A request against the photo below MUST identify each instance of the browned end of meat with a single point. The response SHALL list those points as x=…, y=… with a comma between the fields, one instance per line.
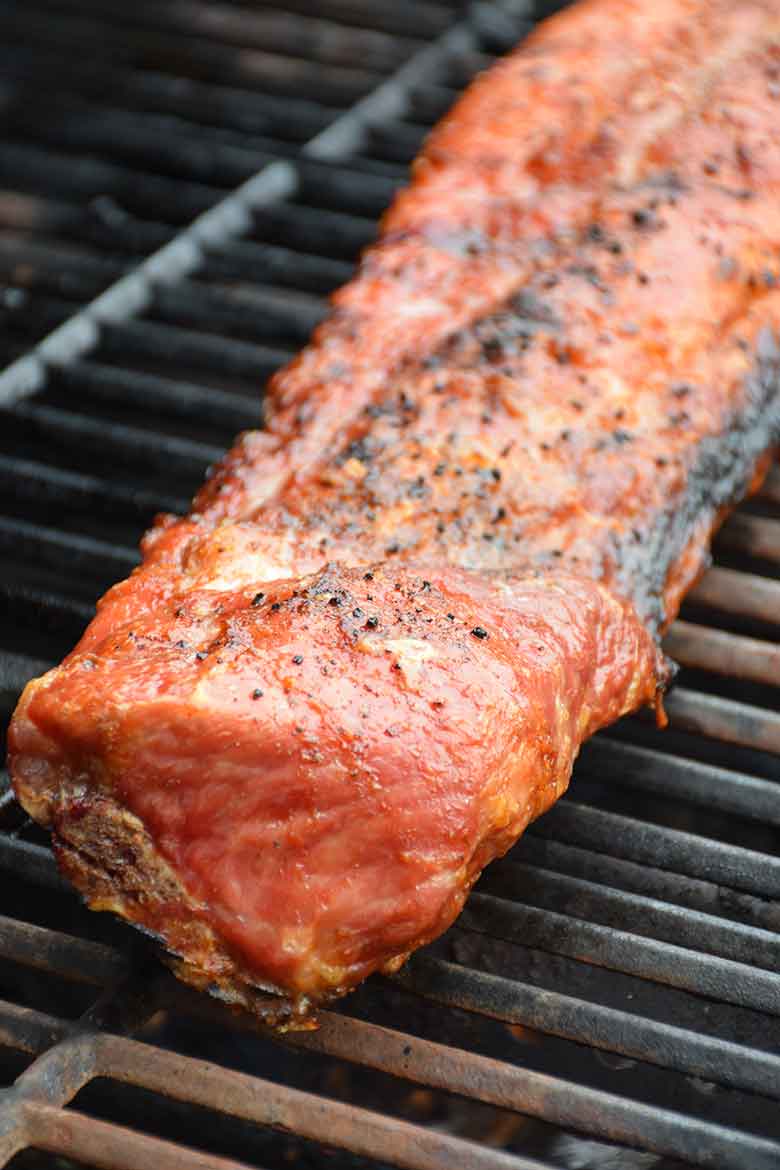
x=323, y=774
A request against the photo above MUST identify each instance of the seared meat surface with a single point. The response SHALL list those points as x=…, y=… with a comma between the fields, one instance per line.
x=289, y=743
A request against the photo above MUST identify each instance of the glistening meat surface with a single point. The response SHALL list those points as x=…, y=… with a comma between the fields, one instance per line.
x=289, y=743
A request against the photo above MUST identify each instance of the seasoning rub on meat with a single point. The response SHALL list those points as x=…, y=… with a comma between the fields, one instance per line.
x=289, y=743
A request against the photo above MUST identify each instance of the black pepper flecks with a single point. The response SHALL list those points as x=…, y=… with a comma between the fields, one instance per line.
x=258, y=599
x=493, y=349
x=297, y=659
x=257, y=693
x=480, y=632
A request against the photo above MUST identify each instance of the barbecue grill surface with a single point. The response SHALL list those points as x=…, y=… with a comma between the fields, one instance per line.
x=182, y=183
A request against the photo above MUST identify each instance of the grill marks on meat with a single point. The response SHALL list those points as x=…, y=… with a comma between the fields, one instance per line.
x=288, y=744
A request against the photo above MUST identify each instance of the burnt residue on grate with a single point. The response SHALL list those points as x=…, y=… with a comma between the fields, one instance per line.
x=611, y=994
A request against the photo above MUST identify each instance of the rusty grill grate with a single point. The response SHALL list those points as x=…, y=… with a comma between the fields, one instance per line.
x=180, y=184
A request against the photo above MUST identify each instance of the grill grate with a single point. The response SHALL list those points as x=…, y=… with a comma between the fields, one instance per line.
x=172, y=212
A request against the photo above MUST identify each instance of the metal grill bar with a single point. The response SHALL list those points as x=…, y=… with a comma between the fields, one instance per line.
x=33, y=480
x=30, y=1031
x=185, y=347
x=724, y=653
x=753, y=536
x=77, y=275
x=724, y=719
x=255, y=311
x=347, y=134
x=229, y=218
x=564, y=1103
x=444, y=1067
x=162, y=397
x=50, y=950
x=30, y=862
x=51, y=547
x=69, y=956
x=278, y=32
x=115, y=442
x=44, y=169
x=744, y=594
x=268, y=261
x=154, y=142
x=100, y=224
x=487, y=1080
x=649, y=917
x=235, y=1094
x=593, y=1024
x=61, y=611
x=620, y=874
x=671, y=849
x=265, y=1103
x=702, y=784
x=111, y=1147
x=630, y=952
x=15, y=672
x=98, y=36
x=211, y=106
x=770, y=489
x=133, y=292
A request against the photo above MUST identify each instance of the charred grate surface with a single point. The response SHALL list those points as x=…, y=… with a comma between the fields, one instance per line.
x=183, y=183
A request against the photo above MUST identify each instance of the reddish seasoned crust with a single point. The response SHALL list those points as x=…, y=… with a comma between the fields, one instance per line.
x=550, y=380
x=513, y=175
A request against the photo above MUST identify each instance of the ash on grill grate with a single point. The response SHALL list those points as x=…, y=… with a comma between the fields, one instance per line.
x=617, y=975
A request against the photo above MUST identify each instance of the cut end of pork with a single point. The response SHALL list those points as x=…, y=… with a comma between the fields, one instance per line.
x=297, y=785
